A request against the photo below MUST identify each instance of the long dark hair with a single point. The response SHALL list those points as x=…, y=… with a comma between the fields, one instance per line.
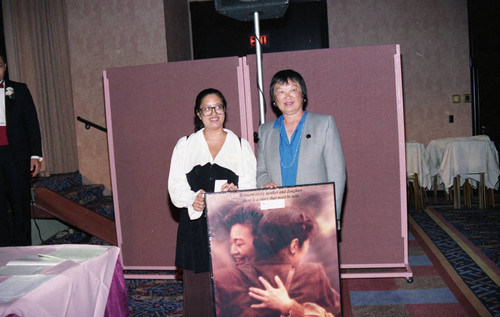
x=198, y=124
x=279, y=227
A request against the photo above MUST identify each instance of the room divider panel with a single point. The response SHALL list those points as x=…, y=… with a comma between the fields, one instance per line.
x=150, y=107
x=361, y=87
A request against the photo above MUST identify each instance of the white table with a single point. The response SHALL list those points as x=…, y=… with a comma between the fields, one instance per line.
x=417, y=173
x=436, y=148
x=454, y=161
x=469, y=159
x=68, y=288
x=417, y=163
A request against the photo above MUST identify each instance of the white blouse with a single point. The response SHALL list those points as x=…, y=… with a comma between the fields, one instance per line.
x=192, y=151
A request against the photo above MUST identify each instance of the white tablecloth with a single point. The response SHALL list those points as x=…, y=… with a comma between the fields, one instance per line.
x=417, y=162
x=70, y=288
x=467, y=157
x=435, y=150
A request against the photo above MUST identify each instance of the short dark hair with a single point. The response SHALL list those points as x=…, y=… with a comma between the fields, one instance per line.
x=198, y=124
x=3, y=56
x=245, y=213
x=282, y=77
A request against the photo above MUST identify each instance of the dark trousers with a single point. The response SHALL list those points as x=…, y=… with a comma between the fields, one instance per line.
x=15, y=192
x=198, y=299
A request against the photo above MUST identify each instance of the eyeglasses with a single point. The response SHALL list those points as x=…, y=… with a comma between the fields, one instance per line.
x=206, y=111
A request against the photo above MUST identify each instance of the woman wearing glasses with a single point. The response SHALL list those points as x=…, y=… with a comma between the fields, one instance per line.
x=209, y=160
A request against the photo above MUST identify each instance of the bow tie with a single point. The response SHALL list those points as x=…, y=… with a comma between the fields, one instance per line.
x=1, y=84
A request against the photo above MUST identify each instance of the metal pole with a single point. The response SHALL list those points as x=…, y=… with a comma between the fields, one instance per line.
x=259, y=67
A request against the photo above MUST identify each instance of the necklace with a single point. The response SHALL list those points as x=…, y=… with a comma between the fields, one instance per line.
x=294, y=156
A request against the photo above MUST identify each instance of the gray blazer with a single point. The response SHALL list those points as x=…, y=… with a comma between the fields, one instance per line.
x=321, y=158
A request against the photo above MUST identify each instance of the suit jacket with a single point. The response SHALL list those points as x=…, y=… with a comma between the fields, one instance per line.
x=321, y=158
x=23, y=129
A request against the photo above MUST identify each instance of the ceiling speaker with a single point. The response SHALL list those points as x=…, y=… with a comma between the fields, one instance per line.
x=243, y=10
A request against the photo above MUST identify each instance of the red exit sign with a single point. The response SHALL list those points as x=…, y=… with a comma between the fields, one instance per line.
x=263, y=40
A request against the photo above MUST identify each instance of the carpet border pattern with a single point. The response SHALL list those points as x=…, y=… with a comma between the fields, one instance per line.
x=470, y=272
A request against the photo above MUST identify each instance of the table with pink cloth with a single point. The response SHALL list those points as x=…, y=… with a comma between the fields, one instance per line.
x=92, y=286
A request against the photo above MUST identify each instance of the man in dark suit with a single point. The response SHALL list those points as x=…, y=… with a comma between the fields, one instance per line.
x=20, y=157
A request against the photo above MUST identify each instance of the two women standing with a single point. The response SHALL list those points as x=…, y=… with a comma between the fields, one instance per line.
x=297, y=148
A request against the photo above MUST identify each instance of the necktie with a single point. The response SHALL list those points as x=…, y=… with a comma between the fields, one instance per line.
x=1, y=84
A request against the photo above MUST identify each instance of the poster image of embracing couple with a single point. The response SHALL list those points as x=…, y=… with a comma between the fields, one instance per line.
x=274, y=252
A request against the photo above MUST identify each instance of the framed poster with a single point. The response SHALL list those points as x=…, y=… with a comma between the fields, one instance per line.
x=274, y=251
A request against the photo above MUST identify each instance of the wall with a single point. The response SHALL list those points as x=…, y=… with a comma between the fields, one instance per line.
x=435, y=55
x=105, y=34
x=433, y=36
x=178, y=30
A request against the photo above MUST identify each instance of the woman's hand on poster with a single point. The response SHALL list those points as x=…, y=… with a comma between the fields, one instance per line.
x=228, y=187
x=270, y=297
x=270, y=185
x=199, y=201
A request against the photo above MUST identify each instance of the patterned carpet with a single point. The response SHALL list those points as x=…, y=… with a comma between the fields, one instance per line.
x=452, y=277
x=480, y=227
x=155, y=298
x=454, y=256
x=479, y=276
x=70, y=185
x=429, y=294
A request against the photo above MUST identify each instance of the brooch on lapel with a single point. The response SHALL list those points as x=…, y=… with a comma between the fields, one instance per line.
x=9, y=92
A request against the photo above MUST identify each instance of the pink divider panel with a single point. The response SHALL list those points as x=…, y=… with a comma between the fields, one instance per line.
x=148, y=109
x=358, y=86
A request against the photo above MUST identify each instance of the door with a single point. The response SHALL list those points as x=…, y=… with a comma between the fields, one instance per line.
x=484, y=26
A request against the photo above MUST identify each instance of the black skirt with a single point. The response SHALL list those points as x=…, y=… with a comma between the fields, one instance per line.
x=192, y=251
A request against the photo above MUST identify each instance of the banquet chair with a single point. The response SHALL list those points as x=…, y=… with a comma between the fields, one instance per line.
x=416, y=193
x=485, y=196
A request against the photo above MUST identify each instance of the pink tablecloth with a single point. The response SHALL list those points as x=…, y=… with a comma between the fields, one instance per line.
x=117, y=304
x=93, y=287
